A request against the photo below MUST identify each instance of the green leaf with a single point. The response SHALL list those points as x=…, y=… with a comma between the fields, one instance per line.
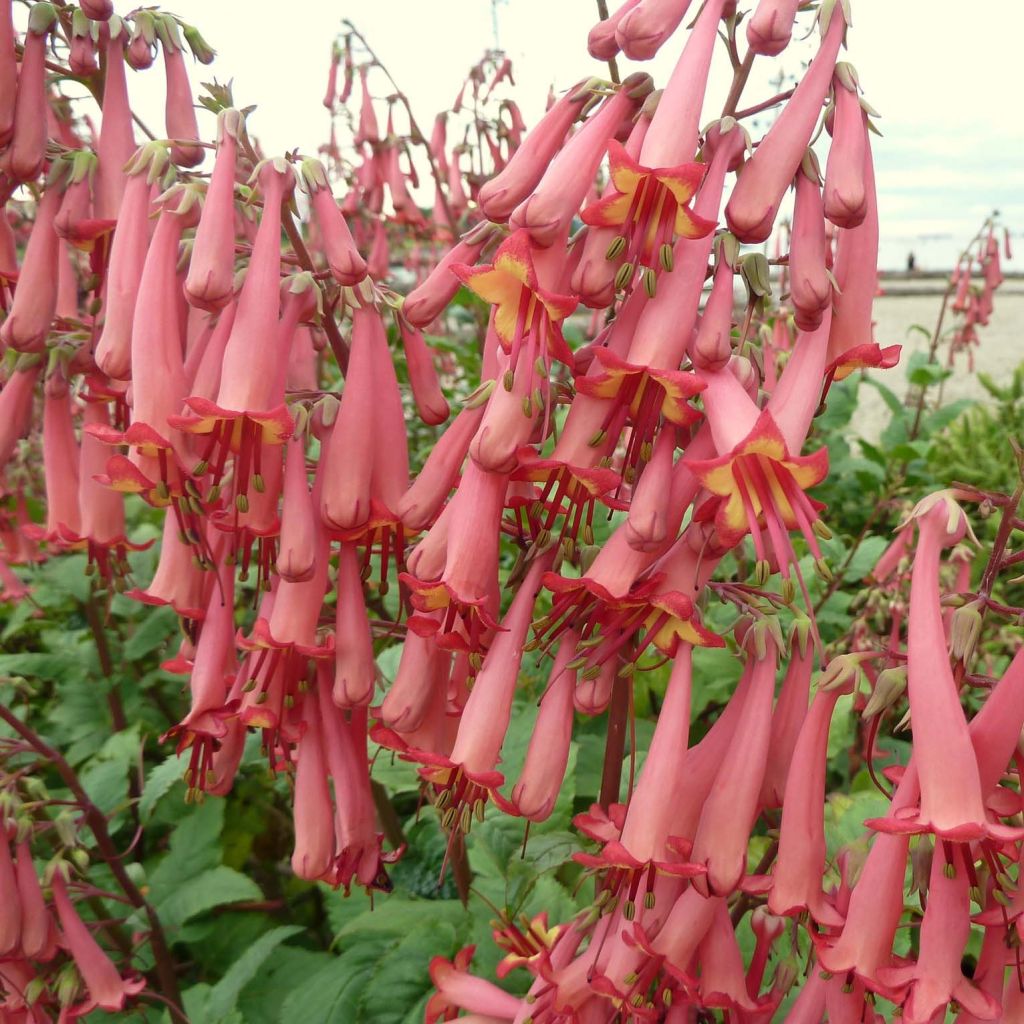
x=224, y=995
x=53, y=666
x=942, y=417
x=213, y=888
x=332, y=995
x=896, y=407
x=106, y=782
x=194, y=848
x=865, y=557
x=158, y=626
x=160, y=780
x=289, y=970
x=396, y=915
x=400, y=983
x=845, y=816
x=22, y=613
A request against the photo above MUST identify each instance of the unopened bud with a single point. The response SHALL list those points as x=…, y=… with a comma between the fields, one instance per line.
x=890, y=686
x=965, y=628
x=842, y=672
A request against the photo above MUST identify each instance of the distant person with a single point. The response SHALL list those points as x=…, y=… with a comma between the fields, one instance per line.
x=911, y=263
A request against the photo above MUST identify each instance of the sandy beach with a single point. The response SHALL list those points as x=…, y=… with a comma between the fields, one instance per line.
x=906, y=303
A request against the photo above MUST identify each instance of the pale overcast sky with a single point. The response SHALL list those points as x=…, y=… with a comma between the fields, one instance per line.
x=943, y=75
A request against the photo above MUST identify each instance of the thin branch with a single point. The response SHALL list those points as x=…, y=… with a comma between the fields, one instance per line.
x=417, y=133
x=97, y=823
x=613, y=67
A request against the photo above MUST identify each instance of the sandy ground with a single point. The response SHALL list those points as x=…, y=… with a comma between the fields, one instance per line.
x=1001, y=345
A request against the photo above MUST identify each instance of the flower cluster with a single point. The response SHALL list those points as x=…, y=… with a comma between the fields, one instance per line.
x=161, y=341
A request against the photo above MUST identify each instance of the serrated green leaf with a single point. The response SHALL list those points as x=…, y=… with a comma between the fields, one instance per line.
x=194, y=848
x=159, y=781
x=213, y=888
x=845, y=815
x=289, y=970
x=400, y=982
x=106, y=782
x=159, y=625
x=397, y=914
x=224, y=995
x=53, y=666
x=865, y=557
x=332, y=995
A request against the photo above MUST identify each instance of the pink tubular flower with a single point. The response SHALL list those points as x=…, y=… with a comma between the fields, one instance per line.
x=647, y=845
x=10, y=908
x=357, y=843
x=810, y=286
x=642, y=30
x=543, y=773
x=851, y=341
x=766, y=176
x=789, y=714
x=427, y=300
x=549, y=210
x=117, y=136
x=528, y=315
x=426, y=389
x=107, y=989
x=952, y=805
x=672, y=137
x=845, y=191
x=60, y=462
x=346, y=265
x=722, y=834
x=466, y=590
x=27, y=152
x=504, y=192
x=35, y=297
x=665, y=327
x=178, y=581
x=127, y=259
x=38, y=935
x=210, y=677
x=463, y=781
x=312, y=811
x=249, y=410
x=298, y=547
x=211, y=270
x=16, y=404
x=595, y=274
x=347, y=461
x=648, y=208
x=368, y=129
x=457, y=989
x=8, y=74
x=647, y=521
x=422, y=671
x=421, y=503
x=936, y=978
x=101, y=509
x=771, y=25
x=712, y=345
x=75, y=221
x=157, y=367
x=179, y=112
x=800, y=864
x=722, y=979
x=759, y=476
x=601, y=41
x=355, y=675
